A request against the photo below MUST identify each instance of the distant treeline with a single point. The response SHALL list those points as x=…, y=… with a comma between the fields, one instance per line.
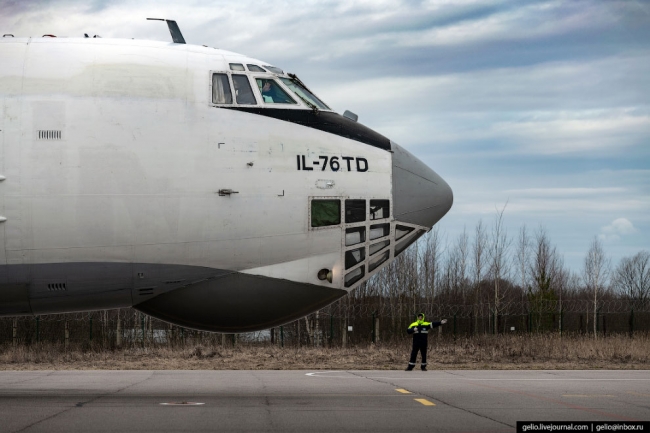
x=484, y=282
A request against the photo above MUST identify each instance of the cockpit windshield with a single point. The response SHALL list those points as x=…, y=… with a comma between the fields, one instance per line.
x=303, y=93
x=272, y=93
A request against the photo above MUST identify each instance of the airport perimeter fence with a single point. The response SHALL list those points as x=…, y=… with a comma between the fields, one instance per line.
x=341, y=324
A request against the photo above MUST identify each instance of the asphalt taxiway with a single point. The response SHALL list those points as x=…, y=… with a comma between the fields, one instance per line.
x=315, y=401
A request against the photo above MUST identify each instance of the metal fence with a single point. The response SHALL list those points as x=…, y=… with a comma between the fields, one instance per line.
x=346, y=322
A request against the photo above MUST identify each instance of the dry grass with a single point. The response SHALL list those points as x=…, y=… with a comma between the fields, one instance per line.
x=483, y=352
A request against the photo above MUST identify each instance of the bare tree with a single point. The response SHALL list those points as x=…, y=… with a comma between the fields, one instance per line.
x=595, y=273
x=632, y=277
x=522, y=258
x=563, y=283
x=430, y=262
x=544, y=270
x=498, y=254
x=454, y=275
x=479, y=247
x=462, y=246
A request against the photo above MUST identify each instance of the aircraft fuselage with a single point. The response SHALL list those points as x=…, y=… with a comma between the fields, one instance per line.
x=129, y=181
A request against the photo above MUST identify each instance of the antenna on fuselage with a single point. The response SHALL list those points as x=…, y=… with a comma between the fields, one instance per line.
x=177, y=36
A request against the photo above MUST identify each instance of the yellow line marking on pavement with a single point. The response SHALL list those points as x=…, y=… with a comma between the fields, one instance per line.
x=403, y=391
x=588, y=395
x=424, y=401
x=319, y=395
x=638, y=393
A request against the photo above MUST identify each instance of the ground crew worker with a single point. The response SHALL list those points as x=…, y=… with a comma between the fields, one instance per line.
x=420, y=330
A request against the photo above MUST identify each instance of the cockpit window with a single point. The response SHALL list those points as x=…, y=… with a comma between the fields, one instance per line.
x=243, y=90
x=274, y=69
x=221, y=93
x=255, y=68
x=325, y=213
x=237, y=67
x=303, y=93
x=272, y=93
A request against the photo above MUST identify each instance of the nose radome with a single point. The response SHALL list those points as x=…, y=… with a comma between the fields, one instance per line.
x=420, y=196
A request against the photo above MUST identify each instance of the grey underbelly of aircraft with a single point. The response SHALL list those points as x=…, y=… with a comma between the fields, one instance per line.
x=189, y=296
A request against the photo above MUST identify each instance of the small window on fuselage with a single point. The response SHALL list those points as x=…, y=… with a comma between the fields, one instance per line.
x=243, y=91
x=272, y=93
x=221, y=93
x=255, y=68
x=237, y=67
x=355, y=235
x=379, y=209
x=355, y=211
x=274, y=69
x=354, y=257
x=325, y=213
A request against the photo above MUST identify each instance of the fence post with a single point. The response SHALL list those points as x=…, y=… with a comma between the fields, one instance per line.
x=604, y=325
x=91, y=326
x=14, y=332
x=597, y=320
x=66, y=341
x=471, y=323
x=377, y=330
x=331, y=329
x=580, y=325
x=530, y=322
x=632, y=322
x=38, y=329
x=153, y=340
x=373, y=327
x=298, y=332
x=118, y=331
x=344, y=334
x=142, y=327
x=561, y=321
x=281, y=336
x=454, y=326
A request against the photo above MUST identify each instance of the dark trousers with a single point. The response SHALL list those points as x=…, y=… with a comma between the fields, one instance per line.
x=418, y=347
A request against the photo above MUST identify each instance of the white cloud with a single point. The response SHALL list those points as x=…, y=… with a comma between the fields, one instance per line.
x=570, y=208
x=563, y=192
x=542, y=103
x=619, y=227
x=528, y=21
x=571, y=132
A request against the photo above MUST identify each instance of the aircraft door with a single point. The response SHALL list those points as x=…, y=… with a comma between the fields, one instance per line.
x=3, y=257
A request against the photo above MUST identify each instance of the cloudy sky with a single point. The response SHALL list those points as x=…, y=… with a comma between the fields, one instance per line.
x=543, y=105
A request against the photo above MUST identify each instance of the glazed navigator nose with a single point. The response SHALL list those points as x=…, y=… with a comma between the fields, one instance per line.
x=420, y=196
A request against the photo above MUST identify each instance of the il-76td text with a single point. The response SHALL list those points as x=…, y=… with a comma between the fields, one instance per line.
x=333, y=163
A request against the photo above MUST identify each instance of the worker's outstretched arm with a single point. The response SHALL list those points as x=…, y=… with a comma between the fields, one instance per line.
x=436, y=324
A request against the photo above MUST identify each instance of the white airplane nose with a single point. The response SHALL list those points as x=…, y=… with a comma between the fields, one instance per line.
x=420, y=196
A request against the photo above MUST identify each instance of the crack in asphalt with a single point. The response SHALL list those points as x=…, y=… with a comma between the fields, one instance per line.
x=267, y=405
x=40, y=376
x=82, y=403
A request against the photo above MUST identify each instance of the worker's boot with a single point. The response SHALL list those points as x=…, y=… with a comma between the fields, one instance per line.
x=424, y=368
x=410, y=367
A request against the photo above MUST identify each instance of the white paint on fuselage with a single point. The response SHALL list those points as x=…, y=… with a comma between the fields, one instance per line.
x=135, y=175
